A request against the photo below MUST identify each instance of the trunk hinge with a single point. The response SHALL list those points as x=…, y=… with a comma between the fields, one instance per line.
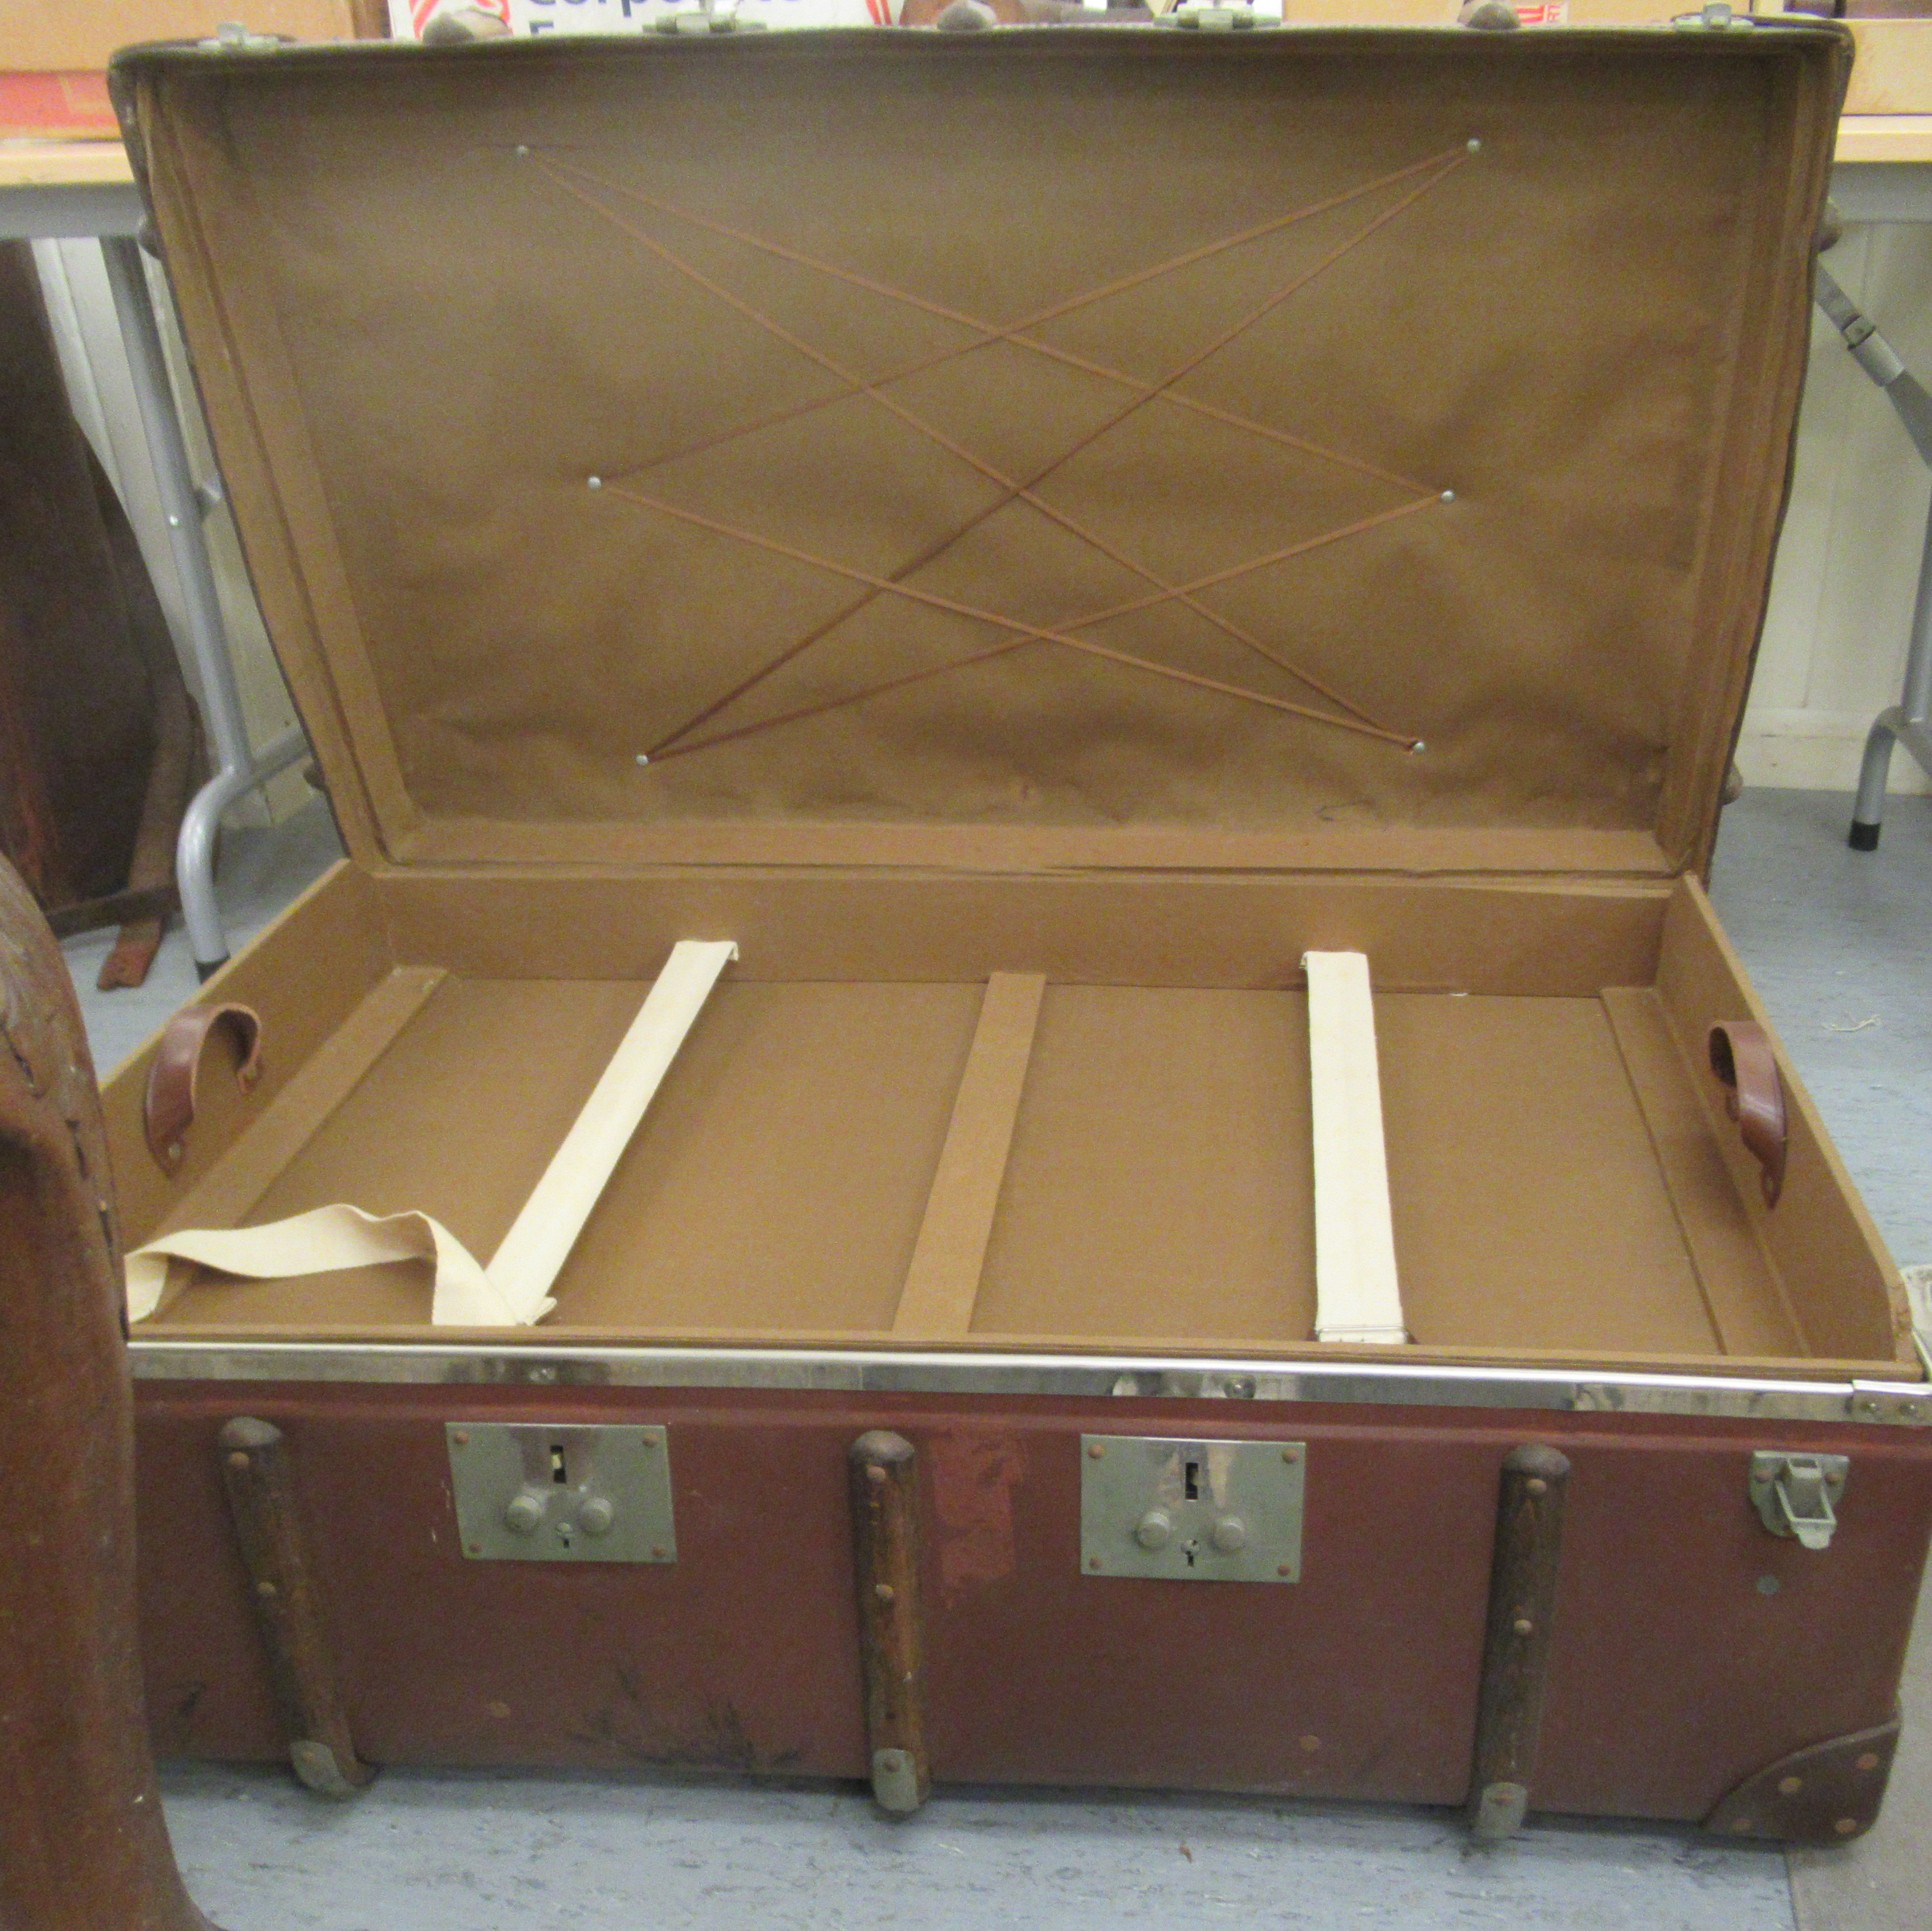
x=1793, y=1493
x=1714, y=16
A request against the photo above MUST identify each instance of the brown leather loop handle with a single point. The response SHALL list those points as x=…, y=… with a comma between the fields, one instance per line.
x=169, y=1110
x=1742, y=1057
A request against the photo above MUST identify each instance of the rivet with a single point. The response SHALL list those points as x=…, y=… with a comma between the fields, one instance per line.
x=1869, y=1761
x=1536, y=1485
x=1290, y=1456
x=1475, y=147
x=1522, y=1626
x=522, y=152
x=644, y=757
x=657, y=1555
x=891, y=1761
x=1789, y=1786
x=596, y=482
x=1283, y=1568
x=474, y=1549
x=1095, y=1450
x=461, y=1438
x=1448, y=496
x=1846, y=1826
x=265, y=1588
x=875, y=1475
x=1311, y=1744
x=884, y=1591
x=237, y=1460
x=650, y=1438
x=1093, y=1562
x=1837, y=1476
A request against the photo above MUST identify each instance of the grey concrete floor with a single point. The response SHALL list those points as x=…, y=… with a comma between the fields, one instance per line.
x=1837, y=943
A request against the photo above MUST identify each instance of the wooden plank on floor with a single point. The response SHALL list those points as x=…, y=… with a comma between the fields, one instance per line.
x=1357, y=1296
x=1749, y=1310
x=942, y=1282
x=232, y=1185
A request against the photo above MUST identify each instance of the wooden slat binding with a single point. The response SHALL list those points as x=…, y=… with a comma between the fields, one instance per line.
x=885, y=1541
x=942, y=1282
x=308, y=1687
x=1516, y=1648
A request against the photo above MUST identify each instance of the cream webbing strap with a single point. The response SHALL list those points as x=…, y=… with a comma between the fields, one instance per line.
x=1357, y=1295
x=513, y=1290
x=322, y=1241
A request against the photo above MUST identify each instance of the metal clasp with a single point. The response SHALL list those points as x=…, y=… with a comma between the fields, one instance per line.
x=1793, y=1493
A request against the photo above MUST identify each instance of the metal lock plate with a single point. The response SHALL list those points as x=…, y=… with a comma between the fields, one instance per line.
x=1187, y=1511
x=534, y=1491
x=1795, y=1494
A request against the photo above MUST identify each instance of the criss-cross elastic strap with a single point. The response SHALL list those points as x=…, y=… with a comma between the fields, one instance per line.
x=1029, y=632
x=1010, y=490
x=1019, y=333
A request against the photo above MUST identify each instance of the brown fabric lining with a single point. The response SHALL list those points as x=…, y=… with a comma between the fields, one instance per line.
x=1613, y=439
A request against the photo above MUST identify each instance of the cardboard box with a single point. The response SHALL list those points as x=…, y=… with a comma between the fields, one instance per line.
x=45, y=36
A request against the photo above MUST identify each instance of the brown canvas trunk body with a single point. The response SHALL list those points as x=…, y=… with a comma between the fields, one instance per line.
x=625, y=440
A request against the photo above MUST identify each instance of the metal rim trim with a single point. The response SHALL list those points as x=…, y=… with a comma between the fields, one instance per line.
x=865, y=1371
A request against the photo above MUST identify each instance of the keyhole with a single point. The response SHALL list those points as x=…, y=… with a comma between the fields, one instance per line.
x=1193, y=1482
x=556, y=1471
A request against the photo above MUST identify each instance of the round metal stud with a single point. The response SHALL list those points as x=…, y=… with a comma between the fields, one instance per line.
x=1229, y=1535
x=596, y=1515
x=1154, y=1529
x=522, y=1514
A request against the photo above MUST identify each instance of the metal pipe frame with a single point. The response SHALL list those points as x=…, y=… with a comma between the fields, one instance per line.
x=1908, y=722
x=239, y=768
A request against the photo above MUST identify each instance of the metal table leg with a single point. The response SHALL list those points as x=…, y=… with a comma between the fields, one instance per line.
x=1906, y=723
x=239, y=769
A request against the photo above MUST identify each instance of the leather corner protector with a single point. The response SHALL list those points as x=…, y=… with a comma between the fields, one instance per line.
x=1828, y=1794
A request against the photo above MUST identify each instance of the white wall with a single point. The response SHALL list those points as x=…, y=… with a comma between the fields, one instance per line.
x=1834, y=642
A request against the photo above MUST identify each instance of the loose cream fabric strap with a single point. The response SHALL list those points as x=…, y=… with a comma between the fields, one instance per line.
x=513, y=1290
x=325, y=1240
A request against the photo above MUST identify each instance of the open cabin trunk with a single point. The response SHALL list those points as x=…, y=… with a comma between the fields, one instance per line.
x=1028, y=537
